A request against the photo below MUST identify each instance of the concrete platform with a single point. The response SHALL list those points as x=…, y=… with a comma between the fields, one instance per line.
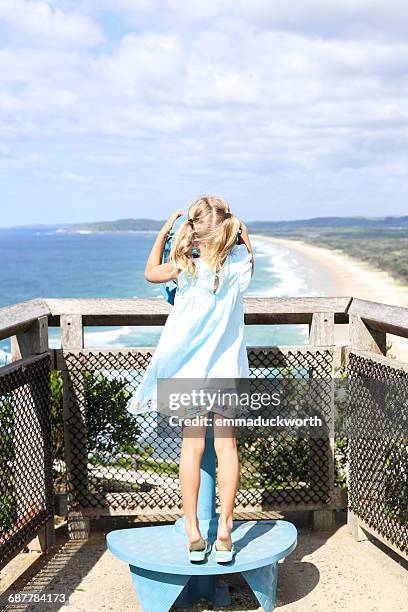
x=329, y=572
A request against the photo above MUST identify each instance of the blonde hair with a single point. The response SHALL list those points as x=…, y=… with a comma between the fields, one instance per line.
x=212, y=228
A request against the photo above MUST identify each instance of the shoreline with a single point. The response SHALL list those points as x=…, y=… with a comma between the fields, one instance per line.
x=335, y=274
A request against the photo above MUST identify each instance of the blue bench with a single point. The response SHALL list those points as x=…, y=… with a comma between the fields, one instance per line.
x=162, y=573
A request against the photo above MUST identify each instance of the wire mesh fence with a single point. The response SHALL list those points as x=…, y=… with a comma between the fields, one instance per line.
x=116, y=461
x=378, y=481
x=26, y=488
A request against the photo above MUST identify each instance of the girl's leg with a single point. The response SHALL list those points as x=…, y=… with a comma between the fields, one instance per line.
x=190, y=457
x=228, y=476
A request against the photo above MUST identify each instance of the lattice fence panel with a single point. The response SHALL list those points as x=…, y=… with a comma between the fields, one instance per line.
x=117, y=461
x=26, y=491
x=378, y=482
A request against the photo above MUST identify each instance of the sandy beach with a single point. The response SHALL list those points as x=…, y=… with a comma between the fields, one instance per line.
x=332, y=273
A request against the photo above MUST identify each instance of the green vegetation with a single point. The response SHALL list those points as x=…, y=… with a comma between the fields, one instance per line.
x=120, y=225
x=396, y=488
x=274, y=463
x=57, y=420
x=7, y=483
x=111, y=429
x=382, y=243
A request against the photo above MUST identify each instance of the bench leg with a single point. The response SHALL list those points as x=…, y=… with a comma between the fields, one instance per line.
x=155, y=590
x=263, y=582
x=206, y=587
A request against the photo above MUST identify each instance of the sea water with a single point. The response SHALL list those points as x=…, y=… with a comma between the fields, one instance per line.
x=53, y=263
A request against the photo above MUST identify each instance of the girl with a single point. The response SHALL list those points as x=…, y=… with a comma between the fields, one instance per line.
x=202, y=338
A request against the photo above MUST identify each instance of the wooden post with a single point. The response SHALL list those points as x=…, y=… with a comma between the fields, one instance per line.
x=34, y=341
x=321, y=330
x=365, y=339
x=321, y=334
x=72, y=332
x=354, y=528
x=76, y=453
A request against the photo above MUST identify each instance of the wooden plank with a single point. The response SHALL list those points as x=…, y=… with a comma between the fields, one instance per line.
x=379, y=358
x=143, y=513
x=16, y=365
x=72, y=331
x=155, y=319
x=141, y=311
x=321, y=332
x=306, y=305
x=32, y=341
x=381, y=317
x=74, y=406
x=105, y=306
x=363, y=525
x=362, y=336
x=19, y=317
x=275, y=351
x=108, y=306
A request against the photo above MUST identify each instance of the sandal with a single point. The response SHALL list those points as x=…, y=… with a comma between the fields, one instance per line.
x=198, y=555
x=224, y=556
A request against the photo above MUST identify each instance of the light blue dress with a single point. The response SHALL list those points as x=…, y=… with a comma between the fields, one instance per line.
x=203, y=336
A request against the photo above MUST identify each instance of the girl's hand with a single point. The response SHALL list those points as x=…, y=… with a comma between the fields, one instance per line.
x=155, y=270
x=168, y=224
x=247, y=241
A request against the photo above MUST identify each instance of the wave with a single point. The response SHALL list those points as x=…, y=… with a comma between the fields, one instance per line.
x=5, y=357
x=122, y=336
x=279, y=275
x=106, y=336
x=286, y=273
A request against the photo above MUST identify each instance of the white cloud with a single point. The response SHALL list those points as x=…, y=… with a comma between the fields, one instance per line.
x=41, y=23
x=222, y=91
x=349, y=18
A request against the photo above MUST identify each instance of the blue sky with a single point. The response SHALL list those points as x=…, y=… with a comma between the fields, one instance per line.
x=132, y=108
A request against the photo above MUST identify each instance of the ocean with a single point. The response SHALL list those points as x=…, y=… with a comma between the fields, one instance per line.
x=53, y=263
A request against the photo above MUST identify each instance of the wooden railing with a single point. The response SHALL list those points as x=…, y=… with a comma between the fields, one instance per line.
x=368, y=325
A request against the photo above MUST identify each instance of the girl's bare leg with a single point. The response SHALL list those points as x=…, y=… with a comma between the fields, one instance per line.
x=228, y=476
x=191, y=452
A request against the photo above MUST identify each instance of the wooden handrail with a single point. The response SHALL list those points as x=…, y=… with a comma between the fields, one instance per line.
x=381, y=317
x=19, y=317
x=142, y=311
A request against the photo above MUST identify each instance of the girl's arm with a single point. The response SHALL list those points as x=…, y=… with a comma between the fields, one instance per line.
x=155, y=271
x=247, y=242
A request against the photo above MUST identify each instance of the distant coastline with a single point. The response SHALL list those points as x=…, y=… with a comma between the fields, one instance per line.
x=381, y=242
x=396, y=225
x=286, y=266
x=339, y=274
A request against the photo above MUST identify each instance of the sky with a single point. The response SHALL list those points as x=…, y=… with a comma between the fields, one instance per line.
x=132, y=108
